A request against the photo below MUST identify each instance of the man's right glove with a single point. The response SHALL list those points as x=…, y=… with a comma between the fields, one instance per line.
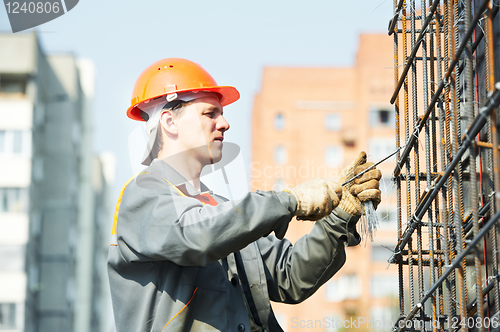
x=365, y=188
x=316, y=198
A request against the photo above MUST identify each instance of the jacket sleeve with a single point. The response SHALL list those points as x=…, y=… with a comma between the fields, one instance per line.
x=156, y=223
x=295, y=272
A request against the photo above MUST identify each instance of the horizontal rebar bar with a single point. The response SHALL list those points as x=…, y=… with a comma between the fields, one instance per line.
x=486, y=145
x=424, y=252
x=421, y=176
x=423, y=262
x=395, y=19
x=418, y=58
x=417, y=30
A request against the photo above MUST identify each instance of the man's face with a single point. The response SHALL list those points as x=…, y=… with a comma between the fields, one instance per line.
x=201, y=128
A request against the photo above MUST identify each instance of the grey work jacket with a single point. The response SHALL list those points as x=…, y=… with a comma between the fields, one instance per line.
x=176, y=264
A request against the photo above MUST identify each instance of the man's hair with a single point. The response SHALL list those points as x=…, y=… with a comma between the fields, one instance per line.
x=177, y=108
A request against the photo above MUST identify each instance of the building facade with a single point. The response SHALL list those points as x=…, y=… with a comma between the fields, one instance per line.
x=313, y=122
x=51, y=206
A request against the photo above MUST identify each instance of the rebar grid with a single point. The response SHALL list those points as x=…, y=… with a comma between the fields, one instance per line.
x=449, y=231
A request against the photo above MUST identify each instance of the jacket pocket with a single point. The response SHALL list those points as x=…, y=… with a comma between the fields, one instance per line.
x=207, y=310
x=210, y=277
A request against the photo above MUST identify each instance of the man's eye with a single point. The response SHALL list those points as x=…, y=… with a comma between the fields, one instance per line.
x=210, y=114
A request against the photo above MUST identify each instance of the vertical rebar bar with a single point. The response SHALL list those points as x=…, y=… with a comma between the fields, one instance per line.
x=398, y=179
x=493, y=154
x=408, y=169
x=468, y=102
x=451, y=233
x=433, y=168
x=414, y=99
x=458, y=178
x=439, y=219
x=428, y=160
x=484, y=188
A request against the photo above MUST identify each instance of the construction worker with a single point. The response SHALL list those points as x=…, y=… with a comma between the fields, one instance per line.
x=185, y=259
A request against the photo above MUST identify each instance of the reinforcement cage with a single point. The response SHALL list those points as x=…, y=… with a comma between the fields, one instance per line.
x=446, y=65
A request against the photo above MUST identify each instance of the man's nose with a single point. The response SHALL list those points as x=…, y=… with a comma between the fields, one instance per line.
x=222, y=124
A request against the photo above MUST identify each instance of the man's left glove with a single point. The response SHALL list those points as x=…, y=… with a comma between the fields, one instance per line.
x=364, y=188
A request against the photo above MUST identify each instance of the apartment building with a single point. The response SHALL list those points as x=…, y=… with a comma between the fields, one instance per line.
x=53, y=192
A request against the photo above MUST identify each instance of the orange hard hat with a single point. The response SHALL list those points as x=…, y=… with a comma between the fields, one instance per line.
x=174, y=75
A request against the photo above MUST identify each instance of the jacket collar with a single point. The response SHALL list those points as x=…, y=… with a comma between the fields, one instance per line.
x=162, y=169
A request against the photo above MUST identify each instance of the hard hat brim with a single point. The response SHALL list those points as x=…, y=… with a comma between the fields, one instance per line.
x=228, y=95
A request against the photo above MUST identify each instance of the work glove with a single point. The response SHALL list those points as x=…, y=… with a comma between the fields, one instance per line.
x=362, y=189
x=316, y=198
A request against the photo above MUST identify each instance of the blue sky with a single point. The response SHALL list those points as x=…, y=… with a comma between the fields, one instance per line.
x=233, y=40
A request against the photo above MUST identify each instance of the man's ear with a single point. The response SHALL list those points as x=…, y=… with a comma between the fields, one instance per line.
x=167, y=122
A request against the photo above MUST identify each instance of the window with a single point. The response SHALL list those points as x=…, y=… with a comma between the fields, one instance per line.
x=345, y=287
x=380, y=253
x=280, y=155
x=279, y=121
x=334, y=156
x=380, y=117
x=12, y=258
x=333, y=122
x=39, y=114
x=14, y=199
x=33, y=277
x=15, y=142
x=38, y=169
x=7, y=316
x=384, y=286
x=381, y=147
x=10, y=84
x=2, y=142
x=76, y=133
x=36, y=223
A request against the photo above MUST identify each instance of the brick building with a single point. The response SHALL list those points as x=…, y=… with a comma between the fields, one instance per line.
x=312, y=122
